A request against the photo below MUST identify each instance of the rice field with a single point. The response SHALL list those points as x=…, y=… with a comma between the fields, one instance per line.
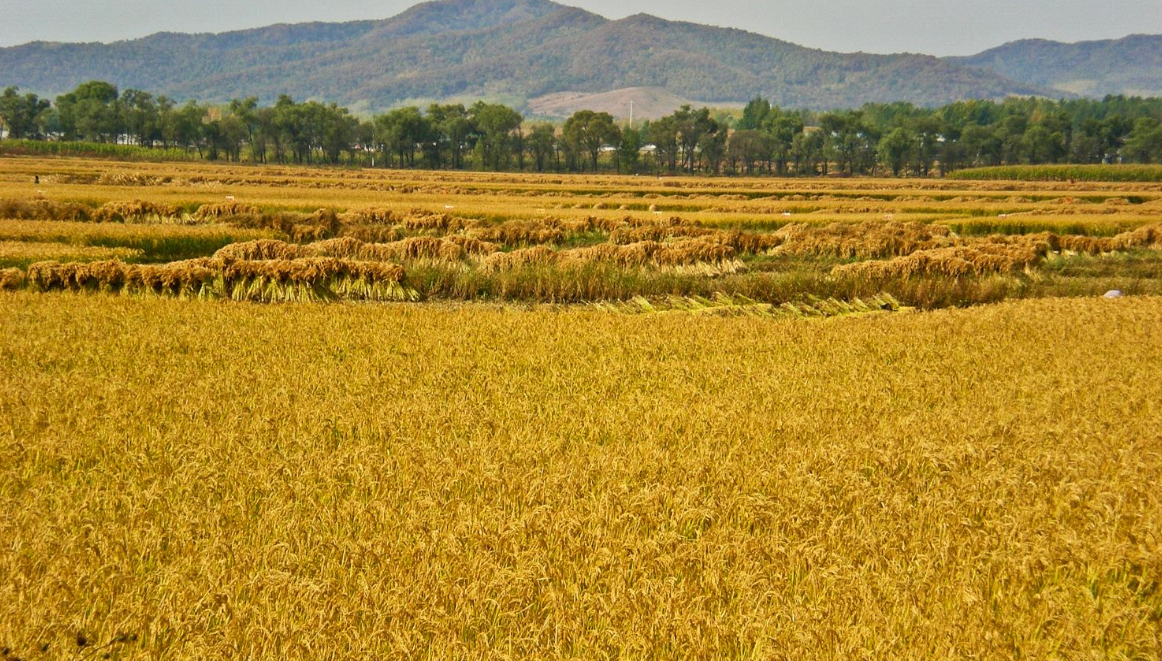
x=592, y=239
x=1065, y=173
x=457, y=482
x=326, y=414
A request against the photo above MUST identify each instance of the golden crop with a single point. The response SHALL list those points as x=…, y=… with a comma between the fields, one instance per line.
x=84, y=233
x=198, y=479
x=29, y=251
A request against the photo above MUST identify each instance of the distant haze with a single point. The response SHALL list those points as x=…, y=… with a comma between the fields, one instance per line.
x=937, y=27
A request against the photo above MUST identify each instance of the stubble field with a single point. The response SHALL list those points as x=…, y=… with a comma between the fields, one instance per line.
x=693, y=473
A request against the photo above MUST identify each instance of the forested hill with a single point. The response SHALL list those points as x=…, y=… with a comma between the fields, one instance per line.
x=508, y=50
x=1130, y=66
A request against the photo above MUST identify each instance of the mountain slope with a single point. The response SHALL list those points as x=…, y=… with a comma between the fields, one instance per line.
x=1132, y=65
x=512, y=50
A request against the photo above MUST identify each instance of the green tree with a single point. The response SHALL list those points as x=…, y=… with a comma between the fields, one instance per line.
x=980, y=144
x=629, y=150
x=90, y=112
x=754, y=115
x=663, y=133
x=896, y=150
x=22, y=115
x=588, y=131
x=401, y=130
x=140, y=117
x=782, y=127
x=1040, y=145
x=495, y=124
x=1144, y=144
x=542, y=143
x=453, y=129
x=749, y=148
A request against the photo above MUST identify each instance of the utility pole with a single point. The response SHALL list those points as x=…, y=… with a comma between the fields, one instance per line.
x=631, y=114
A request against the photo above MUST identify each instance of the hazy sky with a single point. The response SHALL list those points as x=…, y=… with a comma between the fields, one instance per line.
x=939, y=27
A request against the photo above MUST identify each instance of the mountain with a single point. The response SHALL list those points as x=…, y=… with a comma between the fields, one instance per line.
x=507, y=50
x=1130, y=66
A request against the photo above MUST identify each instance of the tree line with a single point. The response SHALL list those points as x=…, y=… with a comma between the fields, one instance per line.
x=876, y=139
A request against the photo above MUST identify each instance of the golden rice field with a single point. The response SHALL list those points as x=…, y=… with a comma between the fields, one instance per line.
x=294, y=413
x=201, y=479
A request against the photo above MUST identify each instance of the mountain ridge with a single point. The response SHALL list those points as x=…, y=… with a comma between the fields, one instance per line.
x=1130, y=65
x=509, y=50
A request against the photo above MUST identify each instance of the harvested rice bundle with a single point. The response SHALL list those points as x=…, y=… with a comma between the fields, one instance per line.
x=626, y=235
x=519, y=232
x=76, y=275
x=1150, y=235
x=631, y=255
x=311, y=270
x=864, y=240
x=264, y=249
x=590, y=224
x=683, y=253
x=979, y=258
x=503, y=261
x=43, y=209
x=374, y=233
x=137, y=210
x=651, y=253
x=188, y=276
x=371, y=216
x=419, y=219
x=322, y=224
x=11, y=278
x=345, y=247
x=752, y=243
x=424, y=247
x=1142, y=237
x=472, y=246
x=226, y=211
